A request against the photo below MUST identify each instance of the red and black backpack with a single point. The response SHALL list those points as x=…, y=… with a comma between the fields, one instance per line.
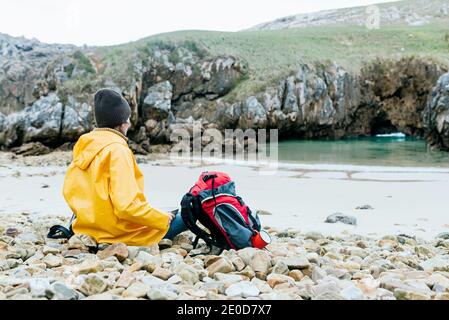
x=213, y=202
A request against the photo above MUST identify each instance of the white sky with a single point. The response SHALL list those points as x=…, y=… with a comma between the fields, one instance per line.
x=105, y=22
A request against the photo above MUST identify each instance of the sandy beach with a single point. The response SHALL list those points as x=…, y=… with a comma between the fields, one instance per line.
x=299, y=197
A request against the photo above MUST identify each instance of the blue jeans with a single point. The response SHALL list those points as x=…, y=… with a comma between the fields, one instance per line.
x=176, y=227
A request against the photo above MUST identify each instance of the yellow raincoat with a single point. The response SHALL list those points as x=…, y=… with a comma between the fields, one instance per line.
x=104, y=188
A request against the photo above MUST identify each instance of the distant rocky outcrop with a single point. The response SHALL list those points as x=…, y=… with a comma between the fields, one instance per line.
x=406, y=12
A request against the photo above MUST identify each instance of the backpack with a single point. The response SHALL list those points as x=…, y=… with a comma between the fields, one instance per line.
x=214, y=203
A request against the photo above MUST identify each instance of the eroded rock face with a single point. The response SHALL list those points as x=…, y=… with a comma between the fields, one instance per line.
x=2, y=121
x=48, y=121
x=23, y=63
x=39, y=122
x=192, y=73
x=398, y=93
x=42, y=121
x=178, y=87
x=157, y=103
x=437, y=115
x=78, y=119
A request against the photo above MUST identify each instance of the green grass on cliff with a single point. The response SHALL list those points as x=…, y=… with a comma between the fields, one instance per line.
x=273, y=54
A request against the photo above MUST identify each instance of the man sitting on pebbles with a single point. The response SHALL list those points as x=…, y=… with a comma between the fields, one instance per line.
x=104, y=186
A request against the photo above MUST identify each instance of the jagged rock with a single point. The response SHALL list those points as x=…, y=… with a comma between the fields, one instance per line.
x=401, y=294
x=165, y=244
x=221, y=74
x=31, y=149
x=134, y=251
x=238, y=263
x=253, y=114
x=11, y=232
x=92, y=284
x=435, y=264
x=157, y=103
x=39, y=122
x=210, y=259
x=52, y=261
x=60, y=291
x=182, y=238
x=383, y=79
x=243, y=289
x=339, y=217
x=136, y=290
x=148, y=261
x=296, y=262
x=82, y=242
x=247, y=254
x=78, y=119
x=118, y=250
x=328, y=296
x=103, y=296
x=89, y=266
x=313, y=235
x=443, y=235
x=275, y=279
x=352, y=293
x=221, y=265
x=28, y=62
x=162, y=273
x=188, y=273
x=39, y=287
x=280, y=267
x=297, y=275
x=436, y=115
x=260, y=262
x=30, y=237
x=162, y=292
x=364, y=207
x=317, y=274
x=52, y=250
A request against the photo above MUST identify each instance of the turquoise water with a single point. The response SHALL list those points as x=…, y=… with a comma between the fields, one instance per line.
x=374, y=151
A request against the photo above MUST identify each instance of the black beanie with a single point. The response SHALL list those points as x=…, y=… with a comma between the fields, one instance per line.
x=111, y=109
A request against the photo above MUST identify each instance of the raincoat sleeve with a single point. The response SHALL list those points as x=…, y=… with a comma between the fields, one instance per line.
x=127, y=198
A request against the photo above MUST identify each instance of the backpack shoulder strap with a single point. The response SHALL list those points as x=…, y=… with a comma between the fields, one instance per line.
x=188, y=209
x=60, y=232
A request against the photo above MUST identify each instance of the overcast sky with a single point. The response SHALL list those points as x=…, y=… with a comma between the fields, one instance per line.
x=105, y=22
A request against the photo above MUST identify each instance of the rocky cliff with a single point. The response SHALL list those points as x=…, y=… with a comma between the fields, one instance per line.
x=436, y=116
x=47, y=90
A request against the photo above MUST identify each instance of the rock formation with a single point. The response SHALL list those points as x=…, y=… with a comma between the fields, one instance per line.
x=172, y=87
x=436, y=115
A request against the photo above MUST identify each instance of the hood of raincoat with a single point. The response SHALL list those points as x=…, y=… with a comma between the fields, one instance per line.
x=91, y=144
